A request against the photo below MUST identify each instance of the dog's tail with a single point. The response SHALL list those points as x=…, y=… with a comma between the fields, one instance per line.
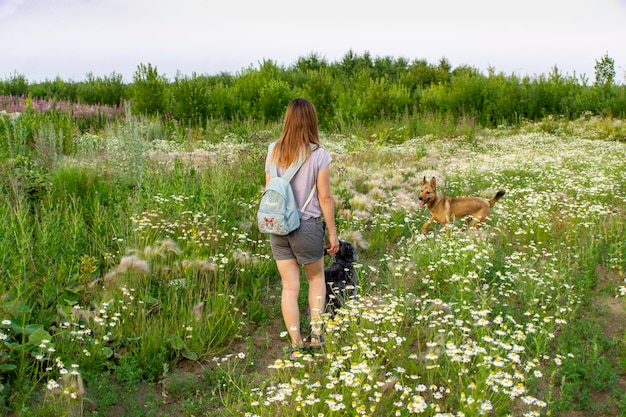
x=498, y=196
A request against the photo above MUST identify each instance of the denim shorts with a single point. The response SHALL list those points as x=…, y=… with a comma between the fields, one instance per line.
x=305, y=244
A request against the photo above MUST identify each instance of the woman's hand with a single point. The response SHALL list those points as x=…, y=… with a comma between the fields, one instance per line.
x=334, y=244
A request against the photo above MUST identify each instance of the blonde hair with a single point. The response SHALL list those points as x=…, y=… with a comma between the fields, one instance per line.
x=299, y=130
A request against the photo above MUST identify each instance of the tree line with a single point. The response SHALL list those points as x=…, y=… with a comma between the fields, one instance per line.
x=358, y=89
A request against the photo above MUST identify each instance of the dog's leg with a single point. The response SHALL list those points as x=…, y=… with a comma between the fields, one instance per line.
x=469, y=221
x=479, y=217
x=428, y=223
x=475, y=223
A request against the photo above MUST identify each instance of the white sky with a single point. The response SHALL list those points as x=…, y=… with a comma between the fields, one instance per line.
x=43, y=39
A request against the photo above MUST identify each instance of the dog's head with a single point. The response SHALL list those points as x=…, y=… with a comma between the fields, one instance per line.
x=428, y=192
x=347, y=252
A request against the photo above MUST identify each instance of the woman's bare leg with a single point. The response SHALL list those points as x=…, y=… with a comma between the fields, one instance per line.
x=317, y=295
x=290, y=276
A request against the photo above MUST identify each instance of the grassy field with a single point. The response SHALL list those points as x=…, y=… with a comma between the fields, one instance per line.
x=134, y=281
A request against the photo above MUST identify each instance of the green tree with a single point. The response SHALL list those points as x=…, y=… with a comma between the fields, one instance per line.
x=149, y=90
x=109, y=90
x=311, y=62
x=443, y=71
x=16, y=85
x=605, y=70
x=190, y=98
x=320, y=89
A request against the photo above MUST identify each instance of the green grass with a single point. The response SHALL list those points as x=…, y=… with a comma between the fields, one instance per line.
x=135, y=255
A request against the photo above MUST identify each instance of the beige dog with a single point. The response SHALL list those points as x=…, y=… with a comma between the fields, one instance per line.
x=445, y=209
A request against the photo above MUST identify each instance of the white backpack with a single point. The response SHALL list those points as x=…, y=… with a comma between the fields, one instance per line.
x=278, y=213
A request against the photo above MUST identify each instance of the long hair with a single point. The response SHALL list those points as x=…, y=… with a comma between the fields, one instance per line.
x=299, y=131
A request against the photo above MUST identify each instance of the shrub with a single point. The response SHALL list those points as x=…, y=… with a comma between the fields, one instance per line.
x=149, y=91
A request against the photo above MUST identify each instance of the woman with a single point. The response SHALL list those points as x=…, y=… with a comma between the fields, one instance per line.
x=304, y=246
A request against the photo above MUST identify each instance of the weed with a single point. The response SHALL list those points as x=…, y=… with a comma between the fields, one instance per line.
x=133, y=254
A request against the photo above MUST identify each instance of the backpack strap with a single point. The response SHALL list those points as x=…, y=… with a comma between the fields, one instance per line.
x=291, y=171
x=272, y=166
x=308, y=200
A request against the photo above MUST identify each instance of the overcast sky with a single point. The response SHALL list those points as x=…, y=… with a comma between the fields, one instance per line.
x=43, y=39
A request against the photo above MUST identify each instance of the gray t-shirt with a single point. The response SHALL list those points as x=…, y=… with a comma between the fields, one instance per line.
x=305, y=179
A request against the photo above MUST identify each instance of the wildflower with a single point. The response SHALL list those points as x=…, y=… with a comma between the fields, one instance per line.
x=514, y=357
x=417, y=404
x=52, y=385
x=499, y=362
x=518, y=390
x=6, y=322
x=278, y=364
x=486, y=406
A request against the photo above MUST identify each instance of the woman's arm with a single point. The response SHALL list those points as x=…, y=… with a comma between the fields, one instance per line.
x=327, y=204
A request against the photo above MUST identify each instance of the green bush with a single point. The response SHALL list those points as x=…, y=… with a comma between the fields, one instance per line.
x=356, y=90
x=109, y=90
x=149, y=92
x=273, y=100
x=190, y=99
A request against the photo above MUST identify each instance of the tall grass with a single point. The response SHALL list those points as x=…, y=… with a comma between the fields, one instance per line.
x=134, y=249
x=464, y=323
x=112, y=255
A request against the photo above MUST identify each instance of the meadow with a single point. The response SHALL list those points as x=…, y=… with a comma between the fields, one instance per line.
x=135, y=282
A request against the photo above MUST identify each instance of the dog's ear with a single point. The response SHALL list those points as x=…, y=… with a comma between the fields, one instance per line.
x=350, y=252
x=424, y=182
x=433, y=182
